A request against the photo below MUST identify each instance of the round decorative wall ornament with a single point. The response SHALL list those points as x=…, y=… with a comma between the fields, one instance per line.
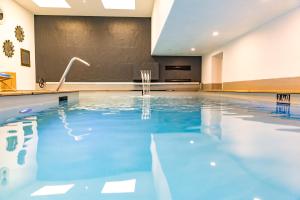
x=1, y=16
x=19, y=33
x=8, y=48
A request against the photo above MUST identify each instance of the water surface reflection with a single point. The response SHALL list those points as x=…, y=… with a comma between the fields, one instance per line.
x=158, y=148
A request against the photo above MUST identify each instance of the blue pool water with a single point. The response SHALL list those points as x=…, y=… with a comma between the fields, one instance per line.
x=117, y=147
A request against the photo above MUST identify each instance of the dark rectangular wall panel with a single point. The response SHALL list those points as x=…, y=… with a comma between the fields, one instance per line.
x=178, y=80
x=179, y=68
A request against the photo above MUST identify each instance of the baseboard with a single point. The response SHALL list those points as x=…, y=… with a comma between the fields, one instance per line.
x=290, y=85
x=212, y=87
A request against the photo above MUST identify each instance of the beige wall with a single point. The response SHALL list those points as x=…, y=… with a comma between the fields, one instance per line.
x=16, y=15
x=269, y=52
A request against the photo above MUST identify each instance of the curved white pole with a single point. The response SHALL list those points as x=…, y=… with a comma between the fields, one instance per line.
x=63, y=77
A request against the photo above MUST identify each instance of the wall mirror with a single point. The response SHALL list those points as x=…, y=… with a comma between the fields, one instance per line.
x=25, y=58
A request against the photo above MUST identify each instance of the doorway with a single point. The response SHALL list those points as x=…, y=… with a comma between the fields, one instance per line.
x=217, y=65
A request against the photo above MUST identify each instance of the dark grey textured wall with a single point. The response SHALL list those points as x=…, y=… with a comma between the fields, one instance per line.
x=113, y=46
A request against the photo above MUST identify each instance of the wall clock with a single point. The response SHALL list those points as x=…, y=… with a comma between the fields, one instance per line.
x=8, y=48
x=19, y=33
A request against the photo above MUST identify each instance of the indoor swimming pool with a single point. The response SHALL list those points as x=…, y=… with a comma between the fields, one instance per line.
x=121, y=146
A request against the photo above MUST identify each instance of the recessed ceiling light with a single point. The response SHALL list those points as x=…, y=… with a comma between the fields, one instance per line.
x=119, y=4
x=193, y=49
x=52, y=3
x=215, y=33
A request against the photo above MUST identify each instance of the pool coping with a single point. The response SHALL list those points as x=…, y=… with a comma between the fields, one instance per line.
x=34, y=92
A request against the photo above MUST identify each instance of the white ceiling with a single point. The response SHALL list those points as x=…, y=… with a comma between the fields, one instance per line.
x=90, y=8
x=191, y=23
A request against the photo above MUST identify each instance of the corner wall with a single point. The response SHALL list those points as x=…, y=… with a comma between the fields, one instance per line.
x=15, y=15
x=161, y=10
x=267, y=58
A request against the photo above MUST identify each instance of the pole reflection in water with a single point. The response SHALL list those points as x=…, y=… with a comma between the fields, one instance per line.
x=146, y=108
x=63, y=118
x=211, y=120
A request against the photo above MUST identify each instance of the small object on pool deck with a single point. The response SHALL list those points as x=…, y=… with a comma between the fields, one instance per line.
x=4, y=75
x=283, y=98
x=63, y=77
x=26, y=110
x=42, y=82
